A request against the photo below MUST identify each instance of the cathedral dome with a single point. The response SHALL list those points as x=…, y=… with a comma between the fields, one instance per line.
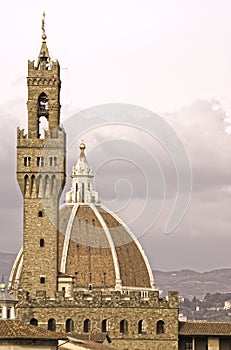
x=96, y=248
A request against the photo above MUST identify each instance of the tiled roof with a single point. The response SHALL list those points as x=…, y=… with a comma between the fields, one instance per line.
x=204, y=328
x=84, y=344
x=95, y=337
x=14, y=329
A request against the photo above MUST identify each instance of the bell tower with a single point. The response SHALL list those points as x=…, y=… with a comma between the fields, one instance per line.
x=41, y=174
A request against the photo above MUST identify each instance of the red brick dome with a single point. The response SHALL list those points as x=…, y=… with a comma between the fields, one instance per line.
x=96, y=248
x=99, y=249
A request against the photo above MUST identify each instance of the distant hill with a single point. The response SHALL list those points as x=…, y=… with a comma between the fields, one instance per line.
x=189, y=283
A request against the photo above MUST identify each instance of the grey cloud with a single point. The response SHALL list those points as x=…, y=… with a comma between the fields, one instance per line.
x=205, y=229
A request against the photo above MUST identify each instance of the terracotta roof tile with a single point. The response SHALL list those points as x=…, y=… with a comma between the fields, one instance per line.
x=11, y=329
x=95, y=337
x=84, y=344
x=204, y=328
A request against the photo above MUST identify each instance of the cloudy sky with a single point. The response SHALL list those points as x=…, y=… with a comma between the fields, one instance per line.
x=170, y=57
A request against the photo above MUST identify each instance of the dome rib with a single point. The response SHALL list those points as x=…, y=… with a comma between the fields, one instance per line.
x=16, y=269
x=67, y=237
x=118, y=283
x=133, y=237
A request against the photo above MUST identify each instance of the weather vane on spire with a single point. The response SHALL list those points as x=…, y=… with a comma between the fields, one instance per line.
x=43, y=27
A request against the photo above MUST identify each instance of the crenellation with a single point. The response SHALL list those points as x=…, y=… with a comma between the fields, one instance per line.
x=99, y=299
x=33, y=70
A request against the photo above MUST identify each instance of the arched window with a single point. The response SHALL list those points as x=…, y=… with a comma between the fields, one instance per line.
x=43, y=114
x=27, y=161
x=53, y=182
x=47, y=185
x=40, y=191
x=34, y=322
x=83, y=192
x=69, y=325
x=160, y=327
x=141, y=327
x=43, y=104
x=105, y=325
x=87, y=325
x=33, y=186
x=76, y=191
x=53, y=161
x=26, y=186
x=42, y=126
x=124, y=326
x=51, y=324
x=42, y=243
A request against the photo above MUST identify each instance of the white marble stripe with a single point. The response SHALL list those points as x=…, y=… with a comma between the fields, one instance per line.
x=67, y=238
x=152, y=283
x=112, y=246
x=17, y=265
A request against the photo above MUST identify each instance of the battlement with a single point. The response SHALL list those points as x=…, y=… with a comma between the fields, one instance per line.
x=100, y=299
x=34, y=71
x=51, y=139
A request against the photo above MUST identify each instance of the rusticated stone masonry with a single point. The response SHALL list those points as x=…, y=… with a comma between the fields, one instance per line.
x=113, y=307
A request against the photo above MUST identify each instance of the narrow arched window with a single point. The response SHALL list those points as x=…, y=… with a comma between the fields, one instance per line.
x=26, y=185
x=40, y=161
x=40, y=214
x=87, y=325
x=83, y=192
x=124, y=326
x=160, y=327
x=42, y=280
x=34, y=322
x=47, y=185
x=43, y=114
x=42, y=243
x=69, y=325
x=53, y=183
x=51, y=324
x=40, y=190
x=105, y=325
x=141, y=327
x=27, y=161
x=53, y=161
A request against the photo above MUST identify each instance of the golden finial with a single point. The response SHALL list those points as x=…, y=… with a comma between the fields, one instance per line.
x=43, y=27
x=82, y=146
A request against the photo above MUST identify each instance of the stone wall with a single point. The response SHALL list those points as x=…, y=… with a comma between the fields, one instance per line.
x=114, y=307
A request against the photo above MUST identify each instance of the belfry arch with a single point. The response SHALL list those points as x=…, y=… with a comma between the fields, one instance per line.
x=43, y=114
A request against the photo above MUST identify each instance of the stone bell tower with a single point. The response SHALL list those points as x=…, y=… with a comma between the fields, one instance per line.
x=41, y=174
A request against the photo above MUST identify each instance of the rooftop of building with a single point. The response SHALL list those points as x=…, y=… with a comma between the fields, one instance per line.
x=205, y=328
x=15, y=329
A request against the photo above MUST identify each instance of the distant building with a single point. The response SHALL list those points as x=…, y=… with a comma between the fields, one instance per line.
x=200, y=335
x=227, y=305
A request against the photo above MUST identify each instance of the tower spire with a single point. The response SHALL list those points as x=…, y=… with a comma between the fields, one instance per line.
x=44, y=53
x=43, y=27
